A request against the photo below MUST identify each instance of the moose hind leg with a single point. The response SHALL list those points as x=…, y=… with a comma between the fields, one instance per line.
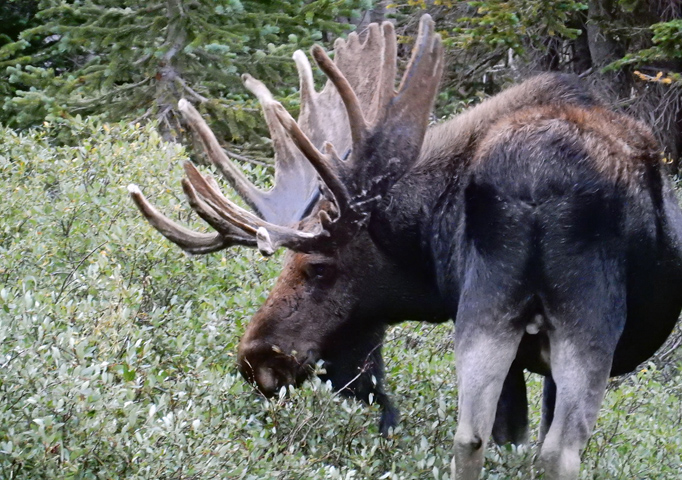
x=581, y=362
x=484, y=352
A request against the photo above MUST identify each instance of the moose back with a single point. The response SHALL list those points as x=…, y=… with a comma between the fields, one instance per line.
x=540, y=221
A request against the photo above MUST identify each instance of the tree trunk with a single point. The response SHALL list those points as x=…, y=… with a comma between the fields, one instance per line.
x=581, y=57
x=604, y=47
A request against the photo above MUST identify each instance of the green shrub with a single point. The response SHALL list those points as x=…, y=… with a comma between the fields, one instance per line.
x=117, y=350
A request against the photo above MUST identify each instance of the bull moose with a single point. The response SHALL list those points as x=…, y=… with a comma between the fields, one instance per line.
x=540, y=221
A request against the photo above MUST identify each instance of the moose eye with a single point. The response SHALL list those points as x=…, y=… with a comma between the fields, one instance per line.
x=321, y=273
x=316, y=270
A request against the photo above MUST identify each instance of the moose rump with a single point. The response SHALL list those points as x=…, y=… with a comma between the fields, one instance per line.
x=552, y=201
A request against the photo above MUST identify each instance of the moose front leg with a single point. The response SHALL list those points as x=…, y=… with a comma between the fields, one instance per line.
x=511, y=418
x=358, y=371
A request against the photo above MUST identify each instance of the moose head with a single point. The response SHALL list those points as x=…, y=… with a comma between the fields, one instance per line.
x=334, y=168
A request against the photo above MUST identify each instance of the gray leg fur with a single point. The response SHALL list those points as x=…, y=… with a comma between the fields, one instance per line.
x=483, y=357
x=580, y=369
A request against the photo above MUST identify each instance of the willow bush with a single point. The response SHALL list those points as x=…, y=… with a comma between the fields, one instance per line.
x=117, y=350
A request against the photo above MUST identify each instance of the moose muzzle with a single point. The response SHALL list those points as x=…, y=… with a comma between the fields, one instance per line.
x=269, y=368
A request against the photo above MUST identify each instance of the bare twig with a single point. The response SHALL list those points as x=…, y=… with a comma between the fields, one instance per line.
x=70, y=275
x=191, y=91
x=586, y=73
x=242, y=158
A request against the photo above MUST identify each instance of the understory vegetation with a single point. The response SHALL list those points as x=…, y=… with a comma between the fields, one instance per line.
x=117, y=351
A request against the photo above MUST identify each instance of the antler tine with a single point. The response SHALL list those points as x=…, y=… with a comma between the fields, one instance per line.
x=326, y=165
x=287, y=156
x=322, y=117
x=356, y=119
x=422, y=76
x=305, y=75
x=389, y=67
x=190, y=241
x=251, y=195
x=269, y=236
x=218, y=202
x=210, y=216
x=259, y=89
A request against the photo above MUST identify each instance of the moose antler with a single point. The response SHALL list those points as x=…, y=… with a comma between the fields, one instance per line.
x=387, y=127
x=380, y=131
x=295, y=190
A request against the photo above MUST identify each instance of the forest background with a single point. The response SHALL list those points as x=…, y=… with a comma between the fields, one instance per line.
x=116, y=351
x=132, y=60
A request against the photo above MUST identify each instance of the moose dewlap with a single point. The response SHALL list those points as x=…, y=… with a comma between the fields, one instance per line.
x=539, y=221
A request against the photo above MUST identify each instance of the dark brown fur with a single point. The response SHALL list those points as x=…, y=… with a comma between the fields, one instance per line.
x=620, y=147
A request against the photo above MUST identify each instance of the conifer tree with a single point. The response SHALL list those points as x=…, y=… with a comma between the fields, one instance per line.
x=135, y=59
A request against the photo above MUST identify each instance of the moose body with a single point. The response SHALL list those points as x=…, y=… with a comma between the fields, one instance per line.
x=539, y=221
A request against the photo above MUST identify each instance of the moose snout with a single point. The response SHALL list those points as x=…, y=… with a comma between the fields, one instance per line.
x=269, y=368
x=266, y=380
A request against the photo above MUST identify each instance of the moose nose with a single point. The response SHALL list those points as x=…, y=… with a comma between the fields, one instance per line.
x=263, y=366
x=266, y=381
x=270, y=369
x=263, y=377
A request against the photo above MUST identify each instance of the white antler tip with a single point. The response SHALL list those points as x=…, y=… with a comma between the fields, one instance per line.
x=299, y=56
x=258, y=88
x=264, y=242
x=183, y=105
x=134, y=189
x=305, y=73
x=426, y=18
